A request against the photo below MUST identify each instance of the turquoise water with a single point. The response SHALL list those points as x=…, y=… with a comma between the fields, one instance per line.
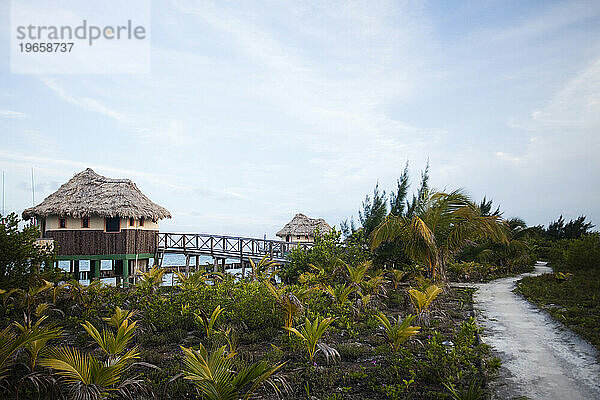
x=169, y=260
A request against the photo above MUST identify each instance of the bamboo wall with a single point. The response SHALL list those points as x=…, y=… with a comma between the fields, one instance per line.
x=93, y=242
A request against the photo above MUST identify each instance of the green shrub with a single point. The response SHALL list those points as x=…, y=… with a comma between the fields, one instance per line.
x=352, y=351
x=247, y=305
x=583, y=253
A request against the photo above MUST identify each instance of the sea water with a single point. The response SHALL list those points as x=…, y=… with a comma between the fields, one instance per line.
x=169, y=260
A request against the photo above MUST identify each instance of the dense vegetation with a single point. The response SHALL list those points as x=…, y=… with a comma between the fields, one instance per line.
x=365, y=313
x=572, y=293
x=20, y=258
x=346, y=337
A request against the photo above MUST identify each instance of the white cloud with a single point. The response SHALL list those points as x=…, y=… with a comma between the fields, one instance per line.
x=12, y=114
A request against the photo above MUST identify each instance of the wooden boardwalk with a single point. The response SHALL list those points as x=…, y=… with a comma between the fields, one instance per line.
x=223, y=247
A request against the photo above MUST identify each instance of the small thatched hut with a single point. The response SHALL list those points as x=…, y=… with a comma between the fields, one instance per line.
x=100, y=222
x=302, y=229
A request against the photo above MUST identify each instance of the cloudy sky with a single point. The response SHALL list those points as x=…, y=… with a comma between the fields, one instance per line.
x=253, y=113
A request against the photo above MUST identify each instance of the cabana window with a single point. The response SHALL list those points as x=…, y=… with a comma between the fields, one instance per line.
x=131, y=221
x=85, y=222
x=142, y=221
x=62, y=222
x=113, y=224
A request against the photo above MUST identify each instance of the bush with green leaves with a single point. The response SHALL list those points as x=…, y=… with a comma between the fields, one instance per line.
x=583, y=253
x=246, y=304
x=327, y=251
x=456, y=360
x=22, y=261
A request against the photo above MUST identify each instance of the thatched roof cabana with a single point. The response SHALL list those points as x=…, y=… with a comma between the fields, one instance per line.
x=304, y=226
x=88, y=194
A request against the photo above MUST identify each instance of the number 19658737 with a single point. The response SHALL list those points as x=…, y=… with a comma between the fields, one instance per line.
x=55, y=47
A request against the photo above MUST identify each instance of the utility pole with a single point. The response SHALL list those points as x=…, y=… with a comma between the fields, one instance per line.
x=3, y=209
x=32, y=189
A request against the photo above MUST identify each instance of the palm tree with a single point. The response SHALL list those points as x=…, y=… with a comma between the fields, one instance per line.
x=215, y=378
x=30, y=337
x=357, y=274
x=440, y=225
x=197, y=279
x=42, y=334
x=290, y=303
x=32, y=295
x=88, y=377
x=311, y=333
x=265, y=269
x=151, y=280
x=513, y=250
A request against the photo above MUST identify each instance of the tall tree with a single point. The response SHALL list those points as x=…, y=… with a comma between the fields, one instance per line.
x=576, y=228
x=419, y=197
x=20, y=257
x=373, y=211
x=440, y=226
x=398, y=199
x=486, y=207
x=556, y=228
x=573, y=229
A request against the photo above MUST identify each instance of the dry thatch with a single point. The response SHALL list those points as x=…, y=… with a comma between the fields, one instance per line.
x=302, y=225
x=88, y=194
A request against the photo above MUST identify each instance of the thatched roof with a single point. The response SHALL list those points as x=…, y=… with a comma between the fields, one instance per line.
x=302, y=225
x=89, y=194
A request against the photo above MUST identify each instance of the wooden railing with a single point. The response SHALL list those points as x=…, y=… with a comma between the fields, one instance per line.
x=225, y=246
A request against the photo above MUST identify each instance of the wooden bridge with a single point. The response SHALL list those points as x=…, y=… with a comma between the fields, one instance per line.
x=223, y=247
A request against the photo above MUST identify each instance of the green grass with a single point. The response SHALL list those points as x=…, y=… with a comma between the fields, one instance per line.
x=575, y=302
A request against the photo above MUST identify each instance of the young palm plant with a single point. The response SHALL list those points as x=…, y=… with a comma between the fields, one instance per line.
x=421, y=300
x=215, y=378
x=118, y=318
x=209, y=323
x=397, y=276
x=32, y=295
x=197, y=279
x=43, y=334
x=11, y=342
x=88, y=377
x=311, y=333
x=289, y=302
x=375, y=284
x=357, y=274
x=398, y=331
x=339, y=293
x=151, y=280
x=265, y=269
x=79, y=293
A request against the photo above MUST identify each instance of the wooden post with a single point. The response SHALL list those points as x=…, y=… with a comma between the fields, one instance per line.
x=125, y=273
x=95, y=268
x=197, y=259
x=187, y=264
x=76, y=270
x=242, y=260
